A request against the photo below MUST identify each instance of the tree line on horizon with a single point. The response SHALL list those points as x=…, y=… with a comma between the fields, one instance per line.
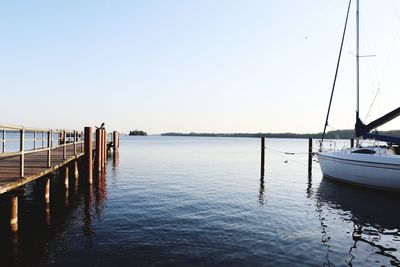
x=335, y=134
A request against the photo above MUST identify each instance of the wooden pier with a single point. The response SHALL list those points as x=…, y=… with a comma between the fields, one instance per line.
x=27, y=154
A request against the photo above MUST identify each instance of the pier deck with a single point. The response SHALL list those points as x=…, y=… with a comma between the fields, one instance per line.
x=36, y=166
x=29, y=153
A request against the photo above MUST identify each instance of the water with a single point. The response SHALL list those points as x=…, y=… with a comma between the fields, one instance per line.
x=177, y=201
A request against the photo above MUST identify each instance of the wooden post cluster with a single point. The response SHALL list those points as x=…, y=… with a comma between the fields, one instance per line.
x=310, y=154
x=262, y=156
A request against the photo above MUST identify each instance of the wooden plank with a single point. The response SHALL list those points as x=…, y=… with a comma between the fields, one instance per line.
x=35, y=166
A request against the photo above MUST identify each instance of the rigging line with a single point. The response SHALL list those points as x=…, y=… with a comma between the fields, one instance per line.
x=389, y=57
x=396, y=11
x=297, y=161
x=373, y=101
x=288, y=153
x=336, y=72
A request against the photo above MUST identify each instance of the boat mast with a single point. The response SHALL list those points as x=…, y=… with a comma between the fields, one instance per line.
x=358, y=64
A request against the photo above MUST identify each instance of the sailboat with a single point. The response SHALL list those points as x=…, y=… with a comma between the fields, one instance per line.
x=376, y=166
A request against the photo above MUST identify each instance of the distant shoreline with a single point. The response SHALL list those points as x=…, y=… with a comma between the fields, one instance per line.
x=337, y=134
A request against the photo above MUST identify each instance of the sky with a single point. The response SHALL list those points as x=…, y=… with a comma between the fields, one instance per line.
x=195, y=66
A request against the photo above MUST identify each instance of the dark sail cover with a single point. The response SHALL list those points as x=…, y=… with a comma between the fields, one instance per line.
x=364, y=130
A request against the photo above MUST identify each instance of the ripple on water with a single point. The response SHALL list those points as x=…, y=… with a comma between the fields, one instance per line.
x=200, y=202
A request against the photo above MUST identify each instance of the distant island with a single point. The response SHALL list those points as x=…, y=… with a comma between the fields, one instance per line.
x=336, y=134
x=137, y=132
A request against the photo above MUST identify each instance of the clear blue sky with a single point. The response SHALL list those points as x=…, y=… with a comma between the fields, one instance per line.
x=201, y=66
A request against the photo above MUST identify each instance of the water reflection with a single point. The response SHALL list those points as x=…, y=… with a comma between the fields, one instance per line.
x=101, y=194
x=261, y=190
x=115, y=159
x=88, y=213
x=309, y=190
x=41, y=218
x=373, y=214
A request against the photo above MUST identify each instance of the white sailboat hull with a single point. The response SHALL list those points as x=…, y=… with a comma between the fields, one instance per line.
x=377, y=171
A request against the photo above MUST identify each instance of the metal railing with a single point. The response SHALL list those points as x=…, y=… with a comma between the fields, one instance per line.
x=43, y=140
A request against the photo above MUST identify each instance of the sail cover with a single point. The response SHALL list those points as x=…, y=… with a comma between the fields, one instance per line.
x=364, y=130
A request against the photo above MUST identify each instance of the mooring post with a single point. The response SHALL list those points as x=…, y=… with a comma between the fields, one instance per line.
x=47, y=200
x=104, y=148
x=47, y=190
x=14, y=213
x=98, y=150
x=262, y=156
x=76, y=169
x=310, y=154
x=22, y=151
x=88, y=153
x=66, y=178
x=115, y=142
x=351, y=143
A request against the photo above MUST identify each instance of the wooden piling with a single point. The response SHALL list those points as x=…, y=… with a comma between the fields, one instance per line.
x=14, y=213
x=115, y=141
x=66, y=178
x=88, y=153
x=47, y=212
x=76, y=169
x=262, y=156
x=310, y=154
x=47, y=191
x=98, y=150
x=104, y=148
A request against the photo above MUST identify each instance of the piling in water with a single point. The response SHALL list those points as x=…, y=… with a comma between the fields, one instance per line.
x=98, y=150
x=88, y=153
x=66, y=178
x=47, y=190
x=310, y=154
x=14, y=213
x=262, y=156
x=115, y=141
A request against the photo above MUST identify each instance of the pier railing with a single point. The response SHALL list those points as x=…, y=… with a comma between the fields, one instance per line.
x=41, y=140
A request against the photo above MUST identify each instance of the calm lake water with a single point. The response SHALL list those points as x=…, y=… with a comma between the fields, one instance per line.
x=178, y=201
